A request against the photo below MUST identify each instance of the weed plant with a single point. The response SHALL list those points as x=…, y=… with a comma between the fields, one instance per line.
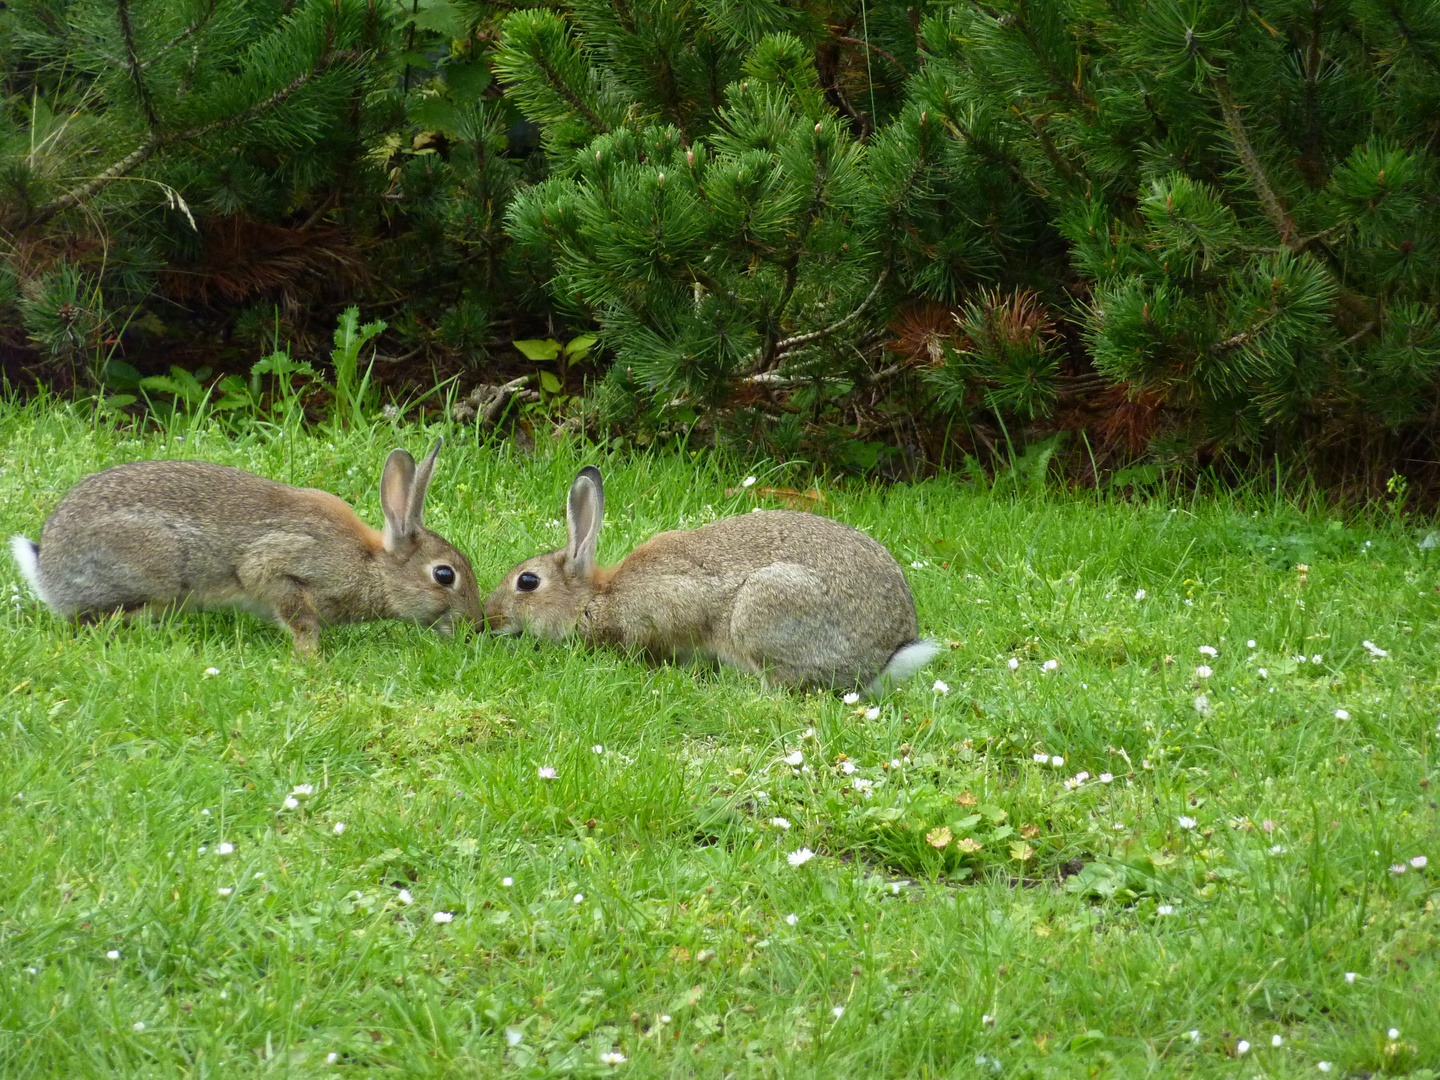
x=1165, y=801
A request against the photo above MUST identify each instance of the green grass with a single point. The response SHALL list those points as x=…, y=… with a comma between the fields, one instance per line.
x=697, y=949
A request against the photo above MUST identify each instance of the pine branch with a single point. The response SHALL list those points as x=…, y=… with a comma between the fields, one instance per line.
x=132, y=61
x=558, y=85
x=154, y=141
x=180, y=38
x=1274, y=209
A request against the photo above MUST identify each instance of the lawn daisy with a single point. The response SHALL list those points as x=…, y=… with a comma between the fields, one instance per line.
x=546, y=772
x=443, y=916
x=1139, y=594
x=749, y=481
x=339, y=828
x=291, y=802
x=614, y=1057
x=579, y=898
x=1419, y=862
x=1014, y=663
x=801, y=857
x=1242, y=1047
x=792, y=919
x=851, y=698
x=1349, y=976
x=1050, y=665
x=1105, y=777
x=1186, y=822
x=796, y=758
x=780, y=822
x=507, y=881
x=1276, y=1040
x=224, y=848
x=940, y=688
x=1203, y=671
x=1208, y=650
x=225, y=890
x=113, y=954
x=303, y=789
x=872, y=713
x=406, y=897
x=1342, y=714
x=838, y=1011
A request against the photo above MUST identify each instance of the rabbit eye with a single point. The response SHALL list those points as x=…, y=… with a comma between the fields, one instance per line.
x=444, y=575
x=527, y=582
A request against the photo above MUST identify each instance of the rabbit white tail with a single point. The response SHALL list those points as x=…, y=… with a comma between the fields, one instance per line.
x=27, y=556
x=905, y=661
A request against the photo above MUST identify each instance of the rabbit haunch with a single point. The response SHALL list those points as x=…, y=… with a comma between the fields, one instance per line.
x=804, y=599
x=155, y=534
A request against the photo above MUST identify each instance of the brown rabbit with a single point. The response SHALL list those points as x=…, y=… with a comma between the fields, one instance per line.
x=156, y=534
x=806, y=599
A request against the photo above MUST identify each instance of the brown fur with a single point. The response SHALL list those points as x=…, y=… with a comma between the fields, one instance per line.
x=804, y=598
x=156, y=534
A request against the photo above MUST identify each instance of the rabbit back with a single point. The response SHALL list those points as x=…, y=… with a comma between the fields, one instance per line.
x=806, y=598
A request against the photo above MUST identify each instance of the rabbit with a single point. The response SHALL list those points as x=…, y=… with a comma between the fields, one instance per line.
x=149, y=535
x=804, y=599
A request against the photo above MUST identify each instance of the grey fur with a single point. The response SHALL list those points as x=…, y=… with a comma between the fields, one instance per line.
x=156, y=534
x=805, y=599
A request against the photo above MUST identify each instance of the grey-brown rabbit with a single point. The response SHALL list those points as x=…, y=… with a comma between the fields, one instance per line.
x=155, y=534
x=805, y=599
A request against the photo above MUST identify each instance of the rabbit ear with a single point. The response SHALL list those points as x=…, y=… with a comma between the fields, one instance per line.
x=396, y=484
x=415, y=510
x=583, y=514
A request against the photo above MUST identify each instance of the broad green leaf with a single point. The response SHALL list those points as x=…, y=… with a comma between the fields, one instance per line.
x=549, y=383
x=537, y=350
x=578, y=347
x=467, y=81
x=442, y=17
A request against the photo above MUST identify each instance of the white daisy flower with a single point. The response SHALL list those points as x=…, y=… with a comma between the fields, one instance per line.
x=801, y=857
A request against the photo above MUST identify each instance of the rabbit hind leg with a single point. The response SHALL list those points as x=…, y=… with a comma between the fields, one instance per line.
x=783, y=624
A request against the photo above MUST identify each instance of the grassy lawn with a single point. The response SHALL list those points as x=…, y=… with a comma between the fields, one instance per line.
x=1075, y=855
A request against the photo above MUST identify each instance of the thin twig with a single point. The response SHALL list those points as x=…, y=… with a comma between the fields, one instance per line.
x=791, y=343
x=875, y=49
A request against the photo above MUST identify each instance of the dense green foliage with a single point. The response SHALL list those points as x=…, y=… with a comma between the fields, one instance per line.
x=1212, y=840
x=866, y=234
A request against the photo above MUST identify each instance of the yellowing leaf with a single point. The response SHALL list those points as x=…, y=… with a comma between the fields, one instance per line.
x=965, y=800
x=1159, y=858
x=1021, y=851
x=938, y=838
x=1029, y=832
x=969, y=845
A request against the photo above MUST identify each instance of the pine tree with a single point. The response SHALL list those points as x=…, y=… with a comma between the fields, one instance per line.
x=1216, y=221
x=252, y=158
